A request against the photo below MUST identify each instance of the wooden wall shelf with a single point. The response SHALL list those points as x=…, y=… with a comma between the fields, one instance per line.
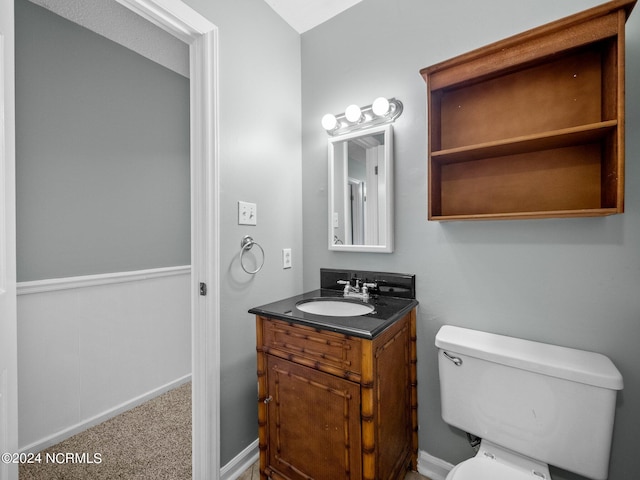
x=531, y=126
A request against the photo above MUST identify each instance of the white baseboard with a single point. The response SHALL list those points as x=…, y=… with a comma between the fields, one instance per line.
x=90, y=422
x=241, y=462
x=432, y=467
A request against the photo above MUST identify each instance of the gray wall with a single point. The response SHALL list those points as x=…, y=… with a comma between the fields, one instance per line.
x=571, y=282
x=259, y=162
x=102, y=153
x=116, y=22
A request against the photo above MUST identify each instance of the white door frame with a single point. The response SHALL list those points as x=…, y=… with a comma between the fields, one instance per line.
x=186, y=24
x=8, y=323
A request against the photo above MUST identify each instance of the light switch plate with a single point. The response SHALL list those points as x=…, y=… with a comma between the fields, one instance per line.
x=286, y=258
x=247, y=213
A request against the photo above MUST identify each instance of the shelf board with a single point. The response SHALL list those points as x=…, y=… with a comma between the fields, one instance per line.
x=589, y=212
x=543, y=141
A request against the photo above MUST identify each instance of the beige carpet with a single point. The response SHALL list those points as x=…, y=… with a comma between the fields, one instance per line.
x=151, y=441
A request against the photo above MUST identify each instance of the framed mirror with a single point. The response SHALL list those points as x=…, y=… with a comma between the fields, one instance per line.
x=361, y=191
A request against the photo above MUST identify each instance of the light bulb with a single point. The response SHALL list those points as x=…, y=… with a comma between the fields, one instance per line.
x=329, y=121
x=380, y=106
x=353, y=113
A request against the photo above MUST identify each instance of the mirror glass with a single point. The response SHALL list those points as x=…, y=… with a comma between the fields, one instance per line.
x=361, y=191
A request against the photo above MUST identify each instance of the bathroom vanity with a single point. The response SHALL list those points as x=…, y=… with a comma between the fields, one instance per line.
x=337, y=395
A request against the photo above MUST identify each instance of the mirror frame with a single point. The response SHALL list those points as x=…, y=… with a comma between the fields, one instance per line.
x=387, y=247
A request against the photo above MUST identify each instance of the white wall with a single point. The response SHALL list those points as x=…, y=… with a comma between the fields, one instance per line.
x=572, y=282
x=92, y=346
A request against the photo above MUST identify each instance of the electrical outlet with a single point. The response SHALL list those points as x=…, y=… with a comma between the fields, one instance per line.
x=247, y=213
x=286, y=258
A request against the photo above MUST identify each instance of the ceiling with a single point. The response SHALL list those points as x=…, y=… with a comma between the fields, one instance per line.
x=303, y=15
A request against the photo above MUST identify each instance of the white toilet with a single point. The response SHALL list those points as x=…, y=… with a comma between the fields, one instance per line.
x=532, y=404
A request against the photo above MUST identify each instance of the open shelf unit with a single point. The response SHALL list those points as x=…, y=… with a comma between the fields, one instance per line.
x=531, y=126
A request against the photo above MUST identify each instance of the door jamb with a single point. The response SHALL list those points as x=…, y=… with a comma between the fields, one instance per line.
x=181, y=21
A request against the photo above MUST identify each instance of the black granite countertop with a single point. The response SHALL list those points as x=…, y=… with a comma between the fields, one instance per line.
x=387, y=310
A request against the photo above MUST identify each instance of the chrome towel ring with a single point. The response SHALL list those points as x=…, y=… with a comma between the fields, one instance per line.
x=247, y=244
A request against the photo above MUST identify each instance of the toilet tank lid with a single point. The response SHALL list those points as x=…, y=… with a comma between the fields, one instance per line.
x=553, y=360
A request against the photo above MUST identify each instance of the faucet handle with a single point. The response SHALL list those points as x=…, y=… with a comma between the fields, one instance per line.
x=346, y=283
x=367, y=285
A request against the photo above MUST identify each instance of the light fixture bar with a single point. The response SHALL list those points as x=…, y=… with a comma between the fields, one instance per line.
x=380, y=112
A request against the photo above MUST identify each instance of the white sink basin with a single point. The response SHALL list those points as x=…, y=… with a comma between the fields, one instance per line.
x=334, y=308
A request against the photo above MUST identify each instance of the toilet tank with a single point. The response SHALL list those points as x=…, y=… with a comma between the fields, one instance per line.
x=551, y=403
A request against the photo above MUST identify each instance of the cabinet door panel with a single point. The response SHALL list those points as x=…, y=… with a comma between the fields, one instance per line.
x=314, y=423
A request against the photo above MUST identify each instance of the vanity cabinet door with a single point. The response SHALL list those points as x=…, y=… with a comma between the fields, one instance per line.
x=313, y=424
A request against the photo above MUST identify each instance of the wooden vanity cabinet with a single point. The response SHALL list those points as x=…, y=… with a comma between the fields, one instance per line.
x=531, y=126
x=333, y=406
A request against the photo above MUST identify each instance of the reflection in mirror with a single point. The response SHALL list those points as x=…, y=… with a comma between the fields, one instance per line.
x=361, y=191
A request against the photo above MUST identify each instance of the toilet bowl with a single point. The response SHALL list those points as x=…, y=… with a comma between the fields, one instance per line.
x=495, y=463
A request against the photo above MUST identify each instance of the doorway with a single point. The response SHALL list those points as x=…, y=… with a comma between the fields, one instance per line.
x=201, y=36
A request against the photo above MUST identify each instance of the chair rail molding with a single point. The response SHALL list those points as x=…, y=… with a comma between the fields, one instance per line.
x=82, y=281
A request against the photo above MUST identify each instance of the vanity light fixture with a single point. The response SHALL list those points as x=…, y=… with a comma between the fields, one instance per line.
x=380, y=106
x=353, y=114
x=329, y=121
x=380, y=112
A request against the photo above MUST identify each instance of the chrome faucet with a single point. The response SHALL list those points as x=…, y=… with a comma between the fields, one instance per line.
x=357, y=291
x=348, y=288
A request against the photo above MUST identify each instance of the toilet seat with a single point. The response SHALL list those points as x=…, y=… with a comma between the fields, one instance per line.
x=482, y=468
x=493, y=462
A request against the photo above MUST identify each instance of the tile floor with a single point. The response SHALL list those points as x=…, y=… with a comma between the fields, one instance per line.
x=253, y=473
